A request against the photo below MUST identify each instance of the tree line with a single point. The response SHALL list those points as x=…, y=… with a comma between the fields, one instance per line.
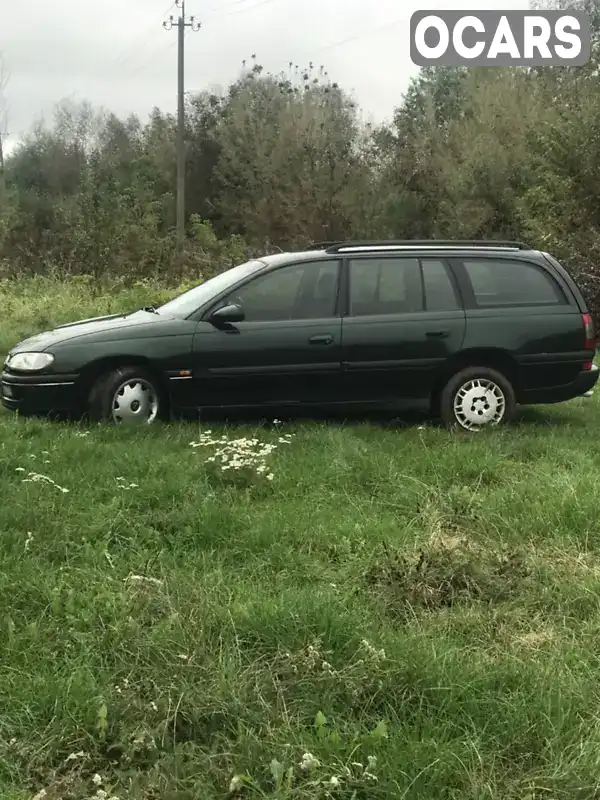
x=281, y=161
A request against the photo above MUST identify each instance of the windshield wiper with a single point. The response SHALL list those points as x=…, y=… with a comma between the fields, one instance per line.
x=150, y=310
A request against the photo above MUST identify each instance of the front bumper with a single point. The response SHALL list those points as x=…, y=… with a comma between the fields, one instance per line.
x=38, y=394
x=584, y=383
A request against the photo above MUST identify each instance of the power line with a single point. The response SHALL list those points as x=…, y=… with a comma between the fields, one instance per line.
x=226, y=6
x=152, y=58
x=359, y=36
x=127, y=53
x=182, y=23
x=241, y=10
x=130, y=51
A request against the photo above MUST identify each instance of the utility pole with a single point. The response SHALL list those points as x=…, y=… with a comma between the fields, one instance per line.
x=182, y=24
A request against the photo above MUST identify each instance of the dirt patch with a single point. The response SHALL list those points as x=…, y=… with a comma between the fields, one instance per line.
x=450, y=570
x=533, y=640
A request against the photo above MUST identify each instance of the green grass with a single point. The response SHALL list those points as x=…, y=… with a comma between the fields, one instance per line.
x=206, y=624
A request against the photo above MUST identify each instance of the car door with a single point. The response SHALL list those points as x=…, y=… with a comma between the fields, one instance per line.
x=404, y=320
x=287, y=350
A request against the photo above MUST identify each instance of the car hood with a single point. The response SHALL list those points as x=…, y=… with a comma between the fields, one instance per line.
x=84, y=327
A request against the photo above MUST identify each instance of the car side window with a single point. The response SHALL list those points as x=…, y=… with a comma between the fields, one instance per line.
x=300, y=291
x=500, y=282
x=440, y=292
x=385, y=286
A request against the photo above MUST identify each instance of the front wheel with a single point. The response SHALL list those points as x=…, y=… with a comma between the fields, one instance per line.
x=477, y=398
x=127, y=396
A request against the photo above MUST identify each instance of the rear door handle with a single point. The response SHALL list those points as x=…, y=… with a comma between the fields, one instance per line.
x=321, y=339
x=437, y=334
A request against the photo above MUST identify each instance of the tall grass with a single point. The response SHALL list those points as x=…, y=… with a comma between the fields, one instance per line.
x=397, y=612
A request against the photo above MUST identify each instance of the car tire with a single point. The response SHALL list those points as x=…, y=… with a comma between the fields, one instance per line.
x=127, y=395
x=462, y=407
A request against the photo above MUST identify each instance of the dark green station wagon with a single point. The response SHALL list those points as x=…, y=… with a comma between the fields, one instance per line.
x=467, y=330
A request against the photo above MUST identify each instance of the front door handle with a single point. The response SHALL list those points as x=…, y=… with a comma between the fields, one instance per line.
x=322, y=339
x=437, y=334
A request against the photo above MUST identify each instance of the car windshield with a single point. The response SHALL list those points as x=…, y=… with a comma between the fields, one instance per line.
x=186, y=303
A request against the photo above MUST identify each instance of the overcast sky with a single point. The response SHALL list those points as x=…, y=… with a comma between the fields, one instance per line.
x=117, y=54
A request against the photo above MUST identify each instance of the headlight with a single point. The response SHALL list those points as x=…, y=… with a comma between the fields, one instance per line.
x=30, y=362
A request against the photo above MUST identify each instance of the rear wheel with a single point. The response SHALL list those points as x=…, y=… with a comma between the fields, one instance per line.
x=127, y=396
x=477, y=398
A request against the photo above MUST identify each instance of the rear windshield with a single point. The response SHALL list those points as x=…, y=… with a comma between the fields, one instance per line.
x=568, y=273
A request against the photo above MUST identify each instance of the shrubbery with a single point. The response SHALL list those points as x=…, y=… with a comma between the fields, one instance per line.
x=279, y=161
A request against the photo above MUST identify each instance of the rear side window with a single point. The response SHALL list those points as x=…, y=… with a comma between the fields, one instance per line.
x=440, y=294
x=385, y=286
x=499, y=282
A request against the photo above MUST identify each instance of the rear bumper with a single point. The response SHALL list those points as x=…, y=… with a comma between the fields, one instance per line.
x=585, y=382
x=38, y=394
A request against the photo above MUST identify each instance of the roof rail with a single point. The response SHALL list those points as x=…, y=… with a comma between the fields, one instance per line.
x=392, y=244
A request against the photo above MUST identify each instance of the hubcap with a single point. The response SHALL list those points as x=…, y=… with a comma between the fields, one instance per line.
x=135, y=401
x=478, y=403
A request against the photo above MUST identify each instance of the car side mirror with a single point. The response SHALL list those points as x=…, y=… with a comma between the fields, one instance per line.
x=229, y=313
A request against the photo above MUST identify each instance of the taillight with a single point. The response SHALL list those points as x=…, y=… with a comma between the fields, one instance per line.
x=590, y=331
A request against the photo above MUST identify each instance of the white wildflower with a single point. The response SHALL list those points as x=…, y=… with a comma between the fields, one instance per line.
x=40, y=795
x=75, y=756
x=97, y=780
x=376, y=655
x=309, y=762
x=333, y=781
x=34, y=477
x=122, y=485
x=371, y=762
x=236, y=783
x=142, y=579
x=239, y=454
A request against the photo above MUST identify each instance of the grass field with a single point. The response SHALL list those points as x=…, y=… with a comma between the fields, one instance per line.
x=384, y=611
